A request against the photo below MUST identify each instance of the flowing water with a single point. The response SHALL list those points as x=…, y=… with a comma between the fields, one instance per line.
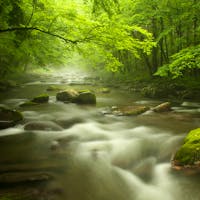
x=96, y=156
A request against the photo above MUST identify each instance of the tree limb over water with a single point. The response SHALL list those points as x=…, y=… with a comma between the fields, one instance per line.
x=42, y=31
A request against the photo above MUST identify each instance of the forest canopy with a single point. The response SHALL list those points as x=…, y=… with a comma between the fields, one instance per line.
x=159, y=37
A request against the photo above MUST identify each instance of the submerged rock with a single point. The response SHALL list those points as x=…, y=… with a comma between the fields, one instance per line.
x=43, y=98
x=9, y=118
x=163, y=107
x=43, y=125
x=188, y=156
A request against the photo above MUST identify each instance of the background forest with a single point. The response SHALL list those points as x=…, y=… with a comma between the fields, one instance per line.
x=133, y=39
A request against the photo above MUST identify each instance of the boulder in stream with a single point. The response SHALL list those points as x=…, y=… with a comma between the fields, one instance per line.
x=85, y=97
x=79, y=97
x=9, y=118
x=67, y=95
x=28, y=103
x=43, y=125
x=163, y=107
x=131, y=110
x=43, y=98
x=188, y=156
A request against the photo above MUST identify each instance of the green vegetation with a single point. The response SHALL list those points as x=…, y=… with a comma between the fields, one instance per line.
x=43, y=98
x=189, y=153
x=130, y=40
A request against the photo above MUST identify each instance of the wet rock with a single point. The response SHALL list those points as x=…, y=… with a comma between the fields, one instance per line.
x=79, y=97
x=6, y=124
x=28, y=103
x=67, y=95
x=129, y=110
x=43, y=125
x=188, y=156
x=85, y=98
x=9, y=118
x=164, y=107
x=43, y=98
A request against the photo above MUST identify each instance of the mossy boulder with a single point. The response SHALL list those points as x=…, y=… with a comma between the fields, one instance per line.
x=28, y=103
x=188, y=156
x=43, y=98
x=163, y=107
x=9, y=118
x=85, y=98
x=129, y=110
x=79, y=97
x=67, y=95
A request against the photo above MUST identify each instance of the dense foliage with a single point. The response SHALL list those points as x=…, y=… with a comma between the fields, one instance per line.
x=186, y=61
x=44, y=32
x=116, y=35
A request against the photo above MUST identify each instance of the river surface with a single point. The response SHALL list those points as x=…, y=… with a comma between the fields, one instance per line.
x=96, y=156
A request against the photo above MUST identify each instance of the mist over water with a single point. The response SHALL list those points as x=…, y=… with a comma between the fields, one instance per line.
x=101, y=157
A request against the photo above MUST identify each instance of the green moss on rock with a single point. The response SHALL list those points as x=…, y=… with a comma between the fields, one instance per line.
x=9, y=118
x=79, y=97
x=189, y=153
x=67, y=95
x=85, y=98
x=28, y=103
x=43, y=98
x=130, y=110
x=10, y=115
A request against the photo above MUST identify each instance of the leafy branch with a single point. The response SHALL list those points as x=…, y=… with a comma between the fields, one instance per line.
x=42, y=31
